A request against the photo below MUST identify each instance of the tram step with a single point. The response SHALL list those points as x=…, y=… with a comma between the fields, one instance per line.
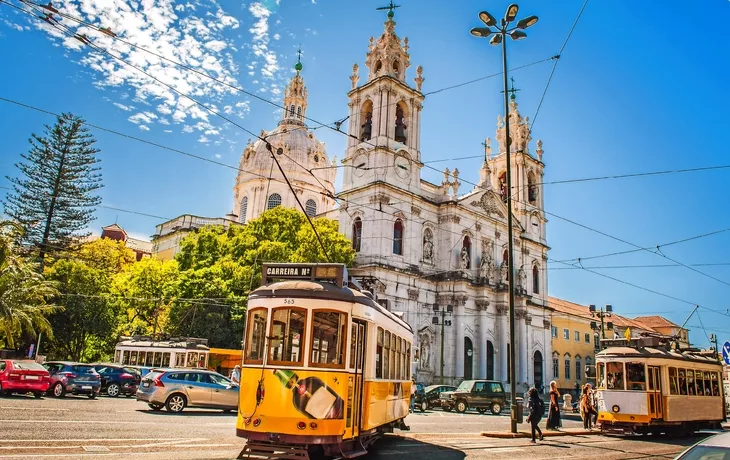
x=254, y=450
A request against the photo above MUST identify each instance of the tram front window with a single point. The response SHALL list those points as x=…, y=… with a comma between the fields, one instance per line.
x=636, y=373
x=287, y=332
x=255, y=336
x=615, y=376
x=328, y=333
x=601, y=375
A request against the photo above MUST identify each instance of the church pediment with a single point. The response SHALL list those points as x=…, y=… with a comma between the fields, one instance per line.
x=490, y=204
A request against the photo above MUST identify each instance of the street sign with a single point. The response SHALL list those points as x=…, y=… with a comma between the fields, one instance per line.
x=726, y=352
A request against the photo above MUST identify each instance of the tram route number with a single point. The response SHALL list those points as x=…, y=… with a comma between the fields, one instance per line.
x=289, y=302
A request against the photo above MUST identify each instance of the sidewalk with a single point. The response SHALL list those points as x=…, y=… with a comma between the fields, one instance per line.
x=545, y=433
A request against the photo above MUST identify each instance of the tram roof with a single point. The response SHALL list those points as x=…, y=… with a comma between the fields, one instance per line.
x=323, y=290
x=647, y=352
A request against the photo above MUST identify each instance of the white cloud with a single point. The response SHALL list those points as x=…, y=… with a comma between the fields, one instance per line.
x=277, y=36
x=218, y=156
x=203, y=140
x=260, y=40
x=144, y=128
x=124, y=107
x=146, y=117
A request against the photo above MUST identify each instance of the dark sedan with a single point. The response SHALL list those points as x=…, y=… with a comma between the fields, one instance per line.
x=118, y=380
x=430, y=396
x=74, y=378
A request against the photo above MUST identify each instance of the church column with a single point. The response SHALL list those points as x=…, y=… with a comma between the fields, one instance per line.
x=460, y=324
x=523, y=345
x=503, y=341
x=481, y=347
x=417, y=131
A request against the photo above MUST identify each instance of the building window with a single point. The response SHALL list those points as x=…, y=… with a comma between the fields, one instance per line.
x=356, y=234
x=577, y=336
x=531, y=188
x=291, y=110
x=554, y=331
x=466, y=253
x=566, y=334
x=398, y=237
x=311, y=208
x=299, y=112
x=556, y=366
x=578, y=368
x=535, y=279
x=273, y=201
x=244, y=208
x=566, y=358
x=588, y=337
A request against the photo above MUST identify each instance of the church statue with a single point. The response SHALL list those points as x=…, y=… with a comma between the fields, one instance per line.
x=425, y=352
x=400, y=126
x=503, y=272
x=428, y=247
x=485, y=266
x=521, y=279
x=367, y=127
x=447, y=174
x=464, y=258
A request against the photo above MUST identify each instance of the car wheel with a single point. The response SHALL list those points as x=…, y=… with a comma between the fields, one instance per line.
x=424, y=406
x=38, y=394
x=58, y=390
x=112, y=390
x=495, y=408
x=176, y=403
x=461, y=406
x=155, y=406
x=91, y=395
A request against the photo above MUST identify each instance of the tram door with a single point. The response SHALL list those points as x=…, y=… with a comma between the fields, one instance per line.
x=655, y=393
x=358, y=358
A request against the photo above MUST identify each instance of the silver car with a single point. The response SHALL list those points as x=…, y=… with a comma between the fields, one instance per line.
x=177, y=389
x=713, y=448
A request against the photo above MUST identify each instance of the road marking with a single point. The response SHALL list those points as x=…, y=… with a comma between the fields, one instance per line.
x=33, y=408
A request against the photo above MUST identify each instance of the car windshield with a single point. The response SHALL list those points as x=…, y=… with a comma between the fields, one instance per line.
x=28, y=366
x=466, y=385
x=81, y=369
x=707, y=453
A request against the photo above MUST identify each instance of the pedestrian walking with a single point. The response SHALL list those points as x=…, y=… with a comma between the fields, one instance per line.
x=537, y=409
x=553, y=420
x=236, y=375
x=586, y=407
x=413, y=394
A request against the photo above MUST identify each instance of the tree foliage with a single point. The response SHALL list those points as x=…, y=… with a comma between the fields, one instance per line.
x=54, y=199
x=24, y=293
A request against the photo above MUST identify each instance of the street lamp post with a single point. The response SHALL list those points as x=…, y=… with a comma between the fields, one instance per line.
x=602, y=313
x=499, y=35
x=442, y=322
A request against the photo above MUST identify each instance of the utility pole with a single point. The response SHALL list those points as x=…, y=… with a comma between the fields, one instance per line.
x=713, y=339
x=442, y=322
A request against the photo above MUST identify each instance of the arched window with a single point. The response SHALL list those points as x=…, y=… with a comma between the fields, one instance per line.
x=291, y=110
x=531, y=188
x=356, y=234
x=535, y=279
x=311, y=207
x=490, y=360
x=428, y=245
x=556, y=365
x=400, y=122
x=366, y=120
x=505, y=256
x=299, y=112
x=273, y=201
x=505, y=260
x=503, y=186
x=566, y=359
x=578, y=368
x=244, y=208
x=398, y=237
x=466, y=253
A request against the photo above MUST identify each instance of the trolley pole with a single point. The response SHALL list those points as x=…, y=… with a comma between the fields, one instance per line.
x=442, y=322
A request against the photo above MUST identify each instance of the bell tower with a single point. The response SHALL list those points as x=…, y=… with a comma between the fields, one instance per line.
x=384, y=116
x=295, y=97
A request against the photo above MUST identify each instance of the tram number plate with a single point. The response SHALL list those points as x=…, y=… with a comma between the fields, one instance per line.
x=288, y=301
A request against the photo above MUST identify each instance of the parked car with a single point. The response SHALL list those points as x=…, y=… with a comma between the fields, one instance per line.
x=141, y=370
x=430, y=396
x=117, y=379
x=475, y=394
x=74, y=378
x=177, y=389
x=714, y=447
x=22, y=376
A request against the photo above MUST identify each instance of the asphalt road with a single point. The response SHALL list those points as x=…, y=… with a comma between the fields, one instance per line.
x=76, y=427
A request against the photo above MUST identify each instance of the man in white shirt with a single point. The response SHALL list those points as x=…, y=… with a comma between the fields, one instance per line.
x=236, y=375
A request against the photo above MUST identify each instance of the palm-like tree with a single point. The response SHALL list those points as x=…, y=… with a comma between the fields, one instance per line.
x=23, y=291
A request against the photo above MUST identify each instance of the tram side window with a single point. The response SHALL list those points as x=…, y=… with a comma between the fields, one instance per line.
x=673, y=385
x=255, y=338
x=682, y=379
x=636, y=373
x=408, y=360
x=700, y=383
x=379, y=355
x=328, y=331
x=386, y=355
x=601, y=375
x=615, y=375
x=399, y=370
x=691, y=391
x=287, y=335
x=353, y=345
x=715, y=385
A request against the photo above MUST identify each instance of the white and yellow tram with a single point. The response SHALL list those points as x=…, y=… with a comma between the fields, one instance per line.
x=326, y=369
x=643, y=386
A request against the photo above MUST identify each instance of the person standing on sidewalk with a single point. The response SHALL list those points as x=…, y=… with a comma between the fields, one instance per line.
x=553, y=419
x=586, y=407
x=414, y=388
x=537, y=410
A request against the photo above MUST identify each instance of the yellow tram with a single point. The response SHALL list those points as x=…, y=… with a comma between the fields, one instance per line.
x=646, y=386
x=326, y=369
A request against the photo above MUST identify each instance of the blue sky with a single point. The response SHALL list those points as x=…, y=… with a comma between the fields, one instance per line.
x=634, y=91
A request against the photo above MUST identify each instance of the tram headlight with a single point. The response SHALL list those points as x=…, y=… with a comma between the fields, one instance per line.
x=257, y=422
x=616, y=409
x=313, y=425
x=301, y=425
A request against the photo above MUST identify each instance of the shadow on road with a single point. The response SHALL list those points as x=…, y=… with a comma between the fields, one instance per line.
x=394, y=445
x=626, y=446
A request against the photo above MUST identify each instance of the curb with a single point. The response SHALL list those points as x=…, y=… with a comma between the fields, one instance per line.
x=546, y=434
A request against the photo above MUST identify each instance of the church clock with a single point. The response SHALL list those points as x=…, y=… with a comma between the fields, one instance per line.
x=360, y=163
x=402, y=167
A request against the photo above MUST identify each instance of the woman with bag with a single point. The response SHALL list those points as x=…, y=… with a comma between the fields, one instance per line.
x=586, y=407
x=537, y=410
x=553, y=420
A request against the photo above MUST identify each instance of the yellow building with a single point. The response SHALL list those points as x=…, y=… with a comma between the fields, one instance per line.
x=573, y=344
x=168, y=235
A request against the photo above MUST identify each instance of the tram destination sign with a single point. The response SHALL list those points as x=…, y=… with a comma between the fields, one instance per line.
x=335, y=273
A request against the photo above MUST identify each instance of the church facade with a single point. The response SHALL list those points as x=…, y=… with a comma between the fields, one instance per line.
x=435, y=253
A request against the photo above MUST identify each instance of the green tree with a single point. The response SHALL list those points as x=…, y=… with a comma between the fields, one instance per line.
x=86, y=327
x=54, y=198
x=220, y=267
x=24, y=293
x=144, y=291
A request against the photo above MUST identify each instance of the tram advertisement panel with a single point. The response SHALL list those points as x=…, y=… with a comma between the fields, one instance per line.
x=294, y=393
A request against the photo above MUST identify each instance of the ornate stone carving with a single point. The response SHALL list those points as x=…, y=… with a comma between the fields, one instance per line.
x=522, y=280
x=482, y=304
x=419, y=77
x=546, y=323
x=446, y=299
x=380, y=287
x=520, y=313
x=428, y=245
x=413, y=294
x=449, y=218
x=354, y=77
x=478, y=227
x=424, y=359
x=503, y=272
x=528, y=319
x=465, y=259
x=380, y=198
x=539, y=149
x=416, y=211
x=502, y=309
x=485, y=265
x=488, y=204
